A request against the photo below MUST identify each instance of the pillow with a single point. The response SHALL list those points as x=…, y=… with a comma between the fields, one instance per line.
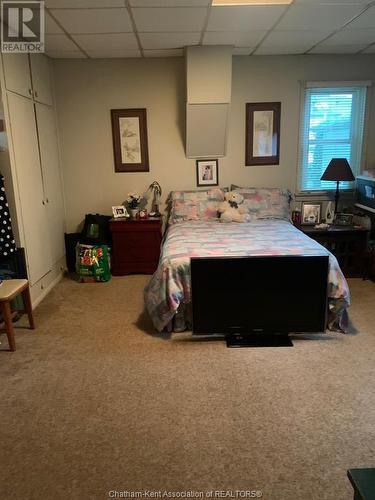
x=266, y=203
x=195, y=205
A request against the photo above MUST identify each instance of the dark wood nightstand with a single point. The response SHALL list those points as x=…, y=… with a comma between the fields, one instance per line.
x=347, y=243
x=136, y=245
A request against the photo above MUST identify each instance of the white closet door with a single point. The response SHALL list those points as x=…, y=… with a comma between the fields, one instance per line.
x=49, y=154
x=40, y=72
x=30, y=185
x=17, y=73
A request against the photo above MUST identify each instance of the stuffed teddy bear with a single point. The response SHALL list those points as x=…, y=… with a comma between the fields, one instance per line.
x=232, y=209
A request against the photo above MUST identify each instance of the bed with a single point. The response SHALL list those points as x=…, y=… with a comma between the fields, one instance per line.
x=168, y=294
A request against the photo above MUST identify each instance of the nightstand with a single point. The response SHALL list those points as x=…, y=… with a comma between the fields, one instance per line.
x=136, y=245
x=347, y=243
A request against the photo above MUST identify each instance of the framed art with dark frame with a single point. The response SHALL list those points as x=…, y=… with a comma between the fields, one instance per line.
x=263, y=133
x=311, y=213
x=130, y=146
x=207, y=172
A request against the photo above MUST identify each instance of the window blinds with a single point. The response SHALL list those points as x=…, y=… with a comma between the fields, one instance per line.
x=332, y=127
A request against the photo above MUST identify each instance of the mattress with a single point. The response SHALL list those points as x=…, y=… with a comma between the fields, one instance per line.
x=168, y=294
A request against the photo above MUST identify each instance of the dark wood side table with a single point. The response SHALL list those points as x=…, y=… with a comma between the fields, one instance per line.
x=136, y=245
x=347, y=243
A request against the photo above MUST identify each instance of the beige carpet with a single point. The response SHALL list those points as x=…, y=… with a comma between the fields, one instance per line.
x=93, y=402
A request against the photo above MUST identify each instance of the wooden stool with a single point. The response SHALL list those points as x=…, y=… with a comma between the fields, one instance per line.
x=9, y=289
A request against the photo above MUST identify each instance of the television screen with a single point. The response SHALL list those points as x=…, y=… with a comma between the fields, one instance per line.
x=260, y=294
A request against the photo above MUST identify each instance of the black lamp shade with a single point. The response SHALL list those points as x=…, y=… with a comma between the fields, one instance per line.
x=338, y=170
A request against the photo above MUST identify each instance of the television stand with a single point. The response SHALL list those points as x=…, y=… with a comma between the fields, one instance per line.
x=258, y=340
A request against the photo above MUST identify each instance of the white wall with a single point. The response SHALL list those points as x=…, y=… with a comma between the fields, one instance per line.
x=86, y=90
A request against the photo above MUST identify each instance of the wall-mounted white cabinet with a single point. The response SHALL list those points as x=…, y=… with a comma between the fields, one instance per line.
x=34, y=153
x=28, y=76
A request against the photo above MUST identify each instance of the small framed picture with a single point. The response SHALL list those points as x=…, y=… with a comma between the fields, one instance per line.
x=119, y=211
x=311, y=213
x=207, y=173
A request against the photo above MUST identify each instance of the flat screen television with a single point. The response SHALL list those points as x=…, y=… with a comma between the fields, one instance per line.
x=261, y=299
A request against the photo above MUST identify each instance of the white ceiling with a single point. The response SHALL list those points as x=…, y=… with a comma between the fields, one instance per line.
x=161, y=28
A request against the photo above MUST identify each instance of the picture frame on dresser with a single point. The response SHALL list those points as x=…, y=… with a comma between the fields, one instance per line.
x=311, y=213
x=130, y=143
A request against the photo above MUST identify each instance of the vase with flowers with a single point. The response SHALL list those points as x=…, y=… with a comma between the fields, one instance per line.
x=133, y=200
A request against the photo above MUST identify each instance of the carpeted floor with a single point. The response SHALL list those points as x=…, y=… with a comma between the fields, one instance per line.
x=92, y=402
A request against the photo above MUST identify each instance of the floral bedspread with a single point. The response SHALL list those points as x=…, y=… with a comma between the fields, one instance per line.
x=168, y=294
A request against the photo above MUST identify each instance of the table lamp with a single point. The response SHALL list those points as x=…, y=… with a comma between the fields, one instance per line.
x=338, y=169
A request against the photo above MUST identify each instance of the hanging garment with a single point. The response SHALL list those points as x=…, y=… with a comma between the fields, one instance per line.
x=7, y=243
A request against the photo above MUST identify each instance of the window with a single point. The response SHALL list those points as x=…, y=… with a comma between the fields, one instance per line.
x=332, y=127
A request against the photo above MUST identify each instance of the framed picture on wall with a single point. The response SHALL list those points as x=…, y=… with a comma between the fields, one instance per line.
x=311, y=213
x=263, y=133
x=130, y=146
x=207, y=173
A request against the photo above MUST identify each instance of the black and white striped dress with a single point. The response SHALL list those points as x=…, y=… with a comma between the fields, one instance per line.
x=7, y=243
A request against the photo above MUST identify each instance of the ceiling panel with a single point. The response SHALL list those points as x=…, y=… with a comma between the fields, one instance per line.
x=164, y=53
x=170, y=3
x=94, y=20
x=337, y=49
x=66, y=54
x=286, y=38
x=370, y=50
x=250, y=17
x=172, y=19
x=52, y=28
x=351, y=37
x=82, y=4
x=312, y=16
x=242, y=51
x=237, y=38
x=59, y=42
x=168, y=40
x=104, y=53
x=110, y=42
x=277, y=50
x=365, y=20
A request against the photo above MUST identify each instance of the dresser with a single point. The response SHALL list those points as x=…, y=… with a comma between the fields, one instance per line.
x=347, y=243
x=136, y=245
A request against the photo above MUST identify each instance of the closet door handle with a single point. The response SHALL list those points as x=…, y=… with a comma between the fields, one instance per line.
x=43, y=202
x=30, y=92
x=36, y=94
x=47, y=200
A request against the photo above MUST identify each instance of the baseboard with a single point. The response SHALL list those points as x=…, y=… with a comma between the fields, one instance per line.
x=46, y=291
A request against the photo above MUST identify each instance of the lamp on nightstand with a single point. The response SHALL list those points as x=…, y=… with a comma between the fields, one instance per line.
x=338, y=170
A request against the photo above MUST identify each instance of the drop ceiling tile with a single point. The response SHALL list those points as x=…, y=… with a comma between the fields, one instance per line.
x=337, y=49
x=287, y=38
x=277, y=50
x=94, y=20
x=365, y=20
x=242, y=51
x=170, y=3
x=82, y=4
x=109, y=41
x=168, y=40
x=351, y=37
x=312, y=16
x=59, y=42
x=65, y=54
x=237, y=38
x=370, y=50
x=169, y=19
x=164, y=53
x=249, y=17
x=52, y=28
x=104, y=53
